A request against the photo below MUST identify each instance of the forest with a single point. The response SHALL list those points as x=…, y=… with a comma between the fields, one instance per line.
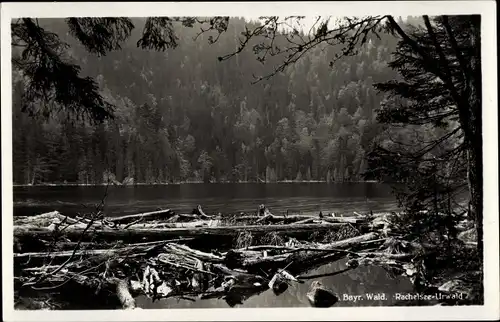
x=183, y=116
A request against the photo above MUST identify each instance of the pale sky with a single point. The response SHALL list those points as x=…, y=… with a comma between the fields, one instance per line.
x=308, y=21
x=305, y=23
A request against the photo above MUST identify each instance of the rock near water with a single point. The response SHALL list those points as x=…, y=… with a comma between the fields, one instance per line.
x=320, y=296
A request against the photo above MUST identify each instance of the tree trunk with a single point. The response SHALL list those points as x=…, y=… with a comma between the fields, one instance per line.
x=474, y=122
x=186, y=251
x=58, y=257
x=190, y=224
x=160, y=214
x=159, y=234
x=301, y=258
x=123, y=294
x=296, y=218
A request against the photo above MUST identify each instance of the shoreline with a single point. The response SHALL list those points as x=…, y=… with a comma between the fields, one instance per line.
x=185, y=183
x=183, y=235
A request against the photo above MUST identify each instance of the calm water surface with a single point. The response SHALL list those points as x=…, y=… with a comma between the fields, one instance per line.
x=214, y=198
x=360, y=281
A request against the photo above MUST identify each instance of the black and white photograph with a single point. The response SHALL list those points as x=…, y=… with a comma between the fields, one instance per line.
x=175, y=159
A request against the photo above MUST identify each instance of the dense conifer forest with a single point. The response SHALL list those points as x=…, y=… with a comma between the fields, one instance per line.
x=181, y=115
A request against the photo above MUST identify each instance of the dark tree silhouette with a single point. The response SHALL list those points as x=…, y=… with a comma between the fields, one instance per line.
x=53, y=83
x=440, y=62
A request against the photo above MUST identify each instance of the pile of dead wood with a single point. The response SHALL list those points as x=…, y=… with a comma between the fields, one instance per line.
x=152, y=253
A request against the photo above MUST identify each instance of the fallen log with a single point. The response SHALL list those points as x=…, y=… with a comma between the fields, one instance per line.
x=160, y=242
x=54, y=221
x=347, y=220
x=242, y=278
x=67, y=253
x=191, y=224
x=402, y=256
x=70, y=245
x=305, y=221
x=268, y=217
x=199, y=280
x=159, y=214
x=297, y=249
x=165, y=260
x=189, y=217
x=64, y=278
x=44, y=220
x=279, y=283
x=296, y=218
x=123, y=294
x=131, y=251
x=40, y=270
x=187, y=251
x=305, y=257
x=158, y=234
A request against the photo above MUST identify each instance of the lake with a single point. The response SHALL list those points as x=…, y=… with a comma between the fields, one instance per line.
x=225, y=198
x=344, y=198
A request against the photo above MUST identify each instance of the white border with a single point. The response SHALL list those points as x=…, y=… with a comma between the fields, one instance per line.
x=130, y=9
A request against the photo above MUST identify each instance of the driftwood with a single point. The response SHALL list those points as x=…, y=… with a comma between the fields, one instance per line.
x=68, y=253
x=156, y=234
x=187, y=251
x=160, y=214
x=298, y=218
x=166, y=268
x=70, y=245
x=44, y=219
x=54, y=221
x=295, y=249
x=58, y=257
x=280, y=280
x=123, y=294
x=198, y=280
x=241, y=278
x=253, y=259
x=401, y=256
x=130, y=250
x=304, y=221
x=163, y=259
x=189, y=224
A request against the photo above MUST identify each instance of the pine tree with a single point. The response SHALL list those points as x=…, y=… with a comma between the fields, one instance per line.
x=273, y=176
x=268, y=174
x=440, y=65
x=308, y=175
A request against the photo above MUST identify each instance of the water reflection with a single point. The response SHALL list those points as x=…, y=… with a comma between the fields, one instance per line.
x=225, y=198
x=358, y=281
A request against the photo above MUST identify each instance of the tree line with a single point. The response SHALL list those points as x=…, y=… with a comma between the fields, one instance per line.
x=180, y=115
